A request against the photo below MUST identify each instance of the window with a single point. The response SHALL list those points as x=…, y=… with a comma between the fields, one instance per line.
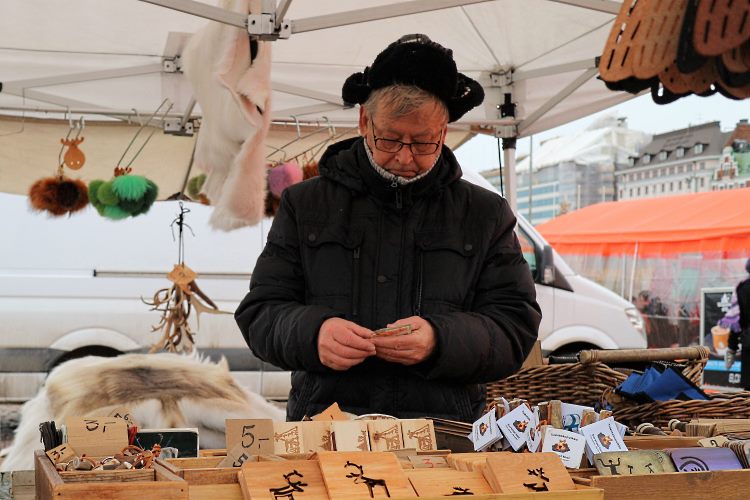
x=662, y=155
x=645, y=190
x=662, y=188
x=631, y=160
x=528, y=249
x=703, y=181
x=671, y=187
x=630, y=192
x=698, y=149
x=679, y=186
x=638, y=191
x=646, y=158
x=680, y=152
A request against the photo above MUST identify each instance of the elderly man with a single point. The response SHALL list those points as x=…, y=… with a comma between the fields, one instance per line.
x=389, y=235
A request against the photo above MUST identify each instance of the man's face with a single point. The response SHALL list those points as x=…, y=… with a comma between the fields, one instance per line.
x=425, y=125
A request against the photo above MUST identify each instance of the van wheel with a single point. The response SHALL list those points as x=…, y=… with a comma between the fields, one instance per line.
x=93, y=350
x=569, y=352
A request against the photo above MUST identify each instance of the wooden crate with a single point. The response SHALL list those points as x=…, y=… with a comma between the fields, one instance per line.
x=659, y=442
x=581, y=492
x=673, y=485
x=205, y=480
x=156, y=483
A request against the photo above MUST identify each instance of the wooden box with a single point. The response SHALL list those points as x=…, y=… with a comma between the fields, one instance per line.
x=673, y=485
x=580, y=493
x=205, y=479
x=156, y=483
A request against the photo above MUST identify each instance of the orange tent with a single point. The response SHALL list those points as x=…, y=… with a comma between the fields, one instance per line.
x=699, y=222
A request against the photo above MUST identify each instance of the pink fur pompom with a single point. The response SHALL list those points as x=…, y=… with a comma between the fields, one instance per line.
x=283, y=176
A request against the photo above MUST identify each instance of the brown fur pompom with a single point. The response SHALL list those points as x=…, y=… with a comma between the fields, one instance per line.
x=58, y=195
x=310, y=170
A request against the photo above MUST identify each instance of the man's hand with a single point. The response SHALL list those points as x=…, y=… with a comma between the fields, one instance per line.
x=343, y=344
x=407, y=349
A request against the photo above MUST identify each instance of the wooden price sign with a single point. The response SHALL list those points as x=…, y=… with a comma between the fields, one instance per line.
x=97, y=436
x=124, y=413
x=255, y=436
x=61, y=453
x=236, y=457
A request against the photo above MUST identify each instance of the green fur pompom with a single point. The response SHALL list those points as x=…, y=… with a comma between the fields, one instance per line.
x=130, y=187
x=93, y=188
x=149, y=197
x=195, y=185
x=114, y=212
x=106, y=194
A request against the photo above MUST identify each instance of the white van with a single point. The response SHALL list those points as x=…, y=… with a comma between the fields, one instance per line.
x=74, y=286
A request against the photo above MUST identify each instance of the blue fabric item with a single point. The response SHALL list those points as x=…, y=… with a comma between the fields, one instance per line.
x=654, y=385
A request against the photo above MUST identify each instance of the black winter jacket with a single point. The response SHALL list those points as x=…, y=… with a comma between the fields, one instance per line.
x=350, y=244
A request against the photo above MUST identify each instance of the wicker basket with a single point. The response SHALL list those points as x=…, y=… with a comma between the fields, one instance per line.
x=724, y=405
x=585, y=382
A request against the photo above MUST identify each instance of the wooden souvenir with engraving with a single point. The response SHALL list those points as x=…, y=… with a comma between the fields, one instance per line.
x=448, y=483
x=288, y=480
x=418, y=434
x=385, y=435
x=350, y=435
x=363, y=475
x=287, y=438
x=317, y=436
x=527, y=473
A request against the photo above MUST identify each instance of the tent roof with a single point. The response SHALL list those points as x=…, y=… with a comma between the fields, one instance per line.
x=700, y=222
x=90, y=54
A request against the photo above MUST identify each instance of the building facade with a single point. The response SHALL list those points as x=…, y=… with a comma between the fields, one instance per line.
x=734, y=166
x=573, y=171
x=677, y=162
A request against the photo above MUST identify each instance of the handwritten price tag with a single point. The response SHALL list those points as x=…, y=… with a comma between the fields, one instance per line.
x=61, y=453
x=255, y=436
x=97, y=436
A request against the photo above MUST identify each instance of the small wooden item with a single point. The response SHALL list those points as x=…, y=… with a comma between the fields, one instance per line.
x=291, y=479
x=254, y=435
x=287, y=437
x=236, y=457
x=333, y=412
x=363, y=475
x=428, y=462
x=631, y=463
x=61, y=453
x=97, y=436
x=419, y=434
x=385, y=435
x=527, y=473
x=317, y=436
x=350, y=435
x=448, y=483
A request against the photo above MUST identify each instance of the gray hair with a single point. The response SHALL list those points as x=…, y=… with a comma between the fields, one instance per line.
x=402, y=100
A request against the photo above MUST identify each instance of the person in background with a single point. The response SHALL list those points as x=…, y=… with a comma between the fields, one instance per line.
x=741, y=336
x=390, y=235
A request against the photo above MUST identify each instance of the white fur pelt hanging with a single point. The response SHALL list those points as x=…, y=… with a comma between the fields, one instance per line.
x=161, y=390
x=234, y=94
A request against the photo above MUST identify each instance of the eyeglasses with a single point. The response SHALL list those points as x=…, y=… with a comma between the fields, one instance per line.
x=394, y=146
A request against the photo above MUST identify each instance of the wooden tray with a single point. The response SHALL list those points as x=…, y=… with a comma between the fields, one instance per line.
x=674, y=485
x=205, y=480
x=156, y=483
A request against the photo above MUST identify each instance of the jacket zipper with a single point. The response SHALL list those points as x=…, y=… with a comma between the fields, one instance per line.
x=399, y=203
x=418, y=298
x=355, y=283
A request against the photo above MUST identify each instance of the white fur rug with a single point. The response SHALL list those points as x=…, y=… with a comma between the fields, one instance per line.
x=160, y=390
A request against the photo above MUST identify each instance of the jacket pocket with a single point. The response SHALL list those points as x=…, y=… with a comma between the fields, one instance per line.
x=330, y=258
x=446, y=267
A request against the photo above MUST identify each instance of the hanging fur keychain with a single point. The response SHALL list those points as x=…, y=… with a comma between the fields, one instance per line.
x=126, y=194
x=177, y=302
x=60, y=195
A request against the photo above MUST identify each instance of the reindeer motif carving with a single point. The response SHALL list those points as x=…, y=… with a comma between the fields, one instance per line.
x=360, y=478
x=291, y=486
x=290, y=439
x=422, y=435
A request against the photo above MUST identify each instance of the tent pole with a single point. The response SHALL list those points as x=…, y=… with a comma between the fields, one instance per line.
x=632, y=270
x=509, y=172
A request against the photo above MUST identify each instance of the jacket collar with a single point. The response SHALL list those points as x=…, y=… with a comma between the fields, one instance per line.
x=346, y=163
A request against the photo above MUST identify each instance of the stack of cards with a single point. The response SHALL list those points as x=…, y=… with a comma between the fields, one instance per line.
x=704, y=459
x=742, y=450
x=555, y=427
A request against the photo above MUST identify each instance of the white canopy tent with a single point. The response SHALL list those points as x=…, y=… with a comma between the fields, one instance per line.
x=119, y=57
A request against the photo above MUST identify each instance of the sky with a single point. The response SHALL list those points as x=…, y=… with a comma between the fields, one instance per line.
x=480, y=153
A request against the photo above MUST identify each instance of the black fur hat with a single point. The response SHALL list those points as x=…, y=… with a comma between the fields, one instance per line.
x=417, y=60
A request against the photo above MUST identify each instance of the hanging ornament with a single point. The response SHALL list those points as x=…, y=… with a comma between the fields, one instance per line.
x=177, y=302
x=60, y=195
x=126, y=195
x=74, y=157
